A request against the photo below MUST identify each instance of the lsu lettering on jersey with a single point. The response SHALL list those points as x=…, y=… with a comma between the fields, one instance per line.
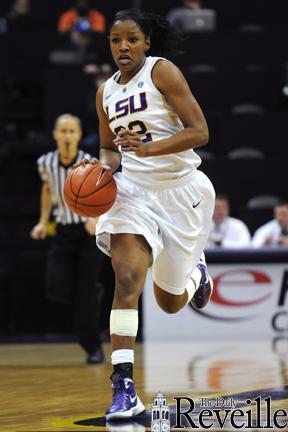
x=141, y=107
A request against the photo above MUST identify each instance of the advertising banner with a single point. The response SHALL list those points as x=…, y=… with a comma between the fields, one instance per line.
x=249, y=301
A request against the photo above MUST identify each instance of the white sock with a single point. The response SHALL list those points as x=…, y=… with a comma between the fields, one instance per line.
x=122, y=356
x=196, y=277
x=190, y=288
x=194, y=282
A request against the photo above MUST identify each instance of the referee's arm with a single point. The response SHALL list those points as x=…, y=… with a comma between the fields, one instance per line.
x=40, y=230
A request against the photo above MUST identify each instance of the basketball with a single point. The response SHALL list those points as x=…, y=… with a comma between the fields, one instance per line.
x=90, y=190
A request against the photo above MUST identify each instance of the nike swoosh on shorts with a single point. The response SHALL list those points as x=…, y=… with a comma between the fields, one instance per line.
x=196, y=205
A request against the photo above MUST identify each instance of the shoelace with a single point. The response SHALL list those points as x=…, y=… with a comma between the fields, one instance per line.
x=120, y=392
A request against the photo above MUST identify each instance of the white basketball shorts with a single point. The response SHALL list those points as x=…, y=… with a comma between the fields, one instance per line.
x=174, y=220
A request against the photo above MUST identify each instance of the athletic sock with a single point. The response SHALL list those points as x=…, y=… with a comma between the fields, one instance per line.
x=122, y=361
x=193, y=283
x=196, y=277
x=190, y=288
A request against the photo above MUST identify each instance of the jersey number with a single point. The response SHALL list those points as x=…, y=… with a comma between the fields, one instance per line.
x=133, y=126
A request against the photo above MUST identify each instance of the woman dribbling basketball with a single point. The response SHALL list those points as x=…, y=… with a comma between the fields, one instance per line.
x=164, y=206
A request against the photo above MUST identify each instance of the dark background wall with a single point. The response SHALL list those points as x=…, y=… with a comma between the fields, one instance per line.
x=224, y=68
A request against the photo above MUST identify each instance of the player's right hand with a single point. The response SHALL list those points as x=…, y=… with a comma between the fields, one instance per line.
x=84, y=162
x=39, y=232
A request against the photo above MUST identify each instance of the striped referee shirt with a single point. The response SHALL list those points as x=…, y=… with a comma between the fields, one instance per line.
x=51, y=170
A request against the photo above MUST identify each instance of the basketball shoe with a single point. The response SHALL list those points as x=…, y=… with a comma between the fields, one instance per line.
x=125, y=402
x=204, y=291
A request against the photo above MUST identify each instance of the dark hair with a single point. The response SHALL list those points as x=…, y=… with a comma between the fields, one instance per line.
x=282, y=203
x=164, y=37
x=200, y=2
x=223, y=197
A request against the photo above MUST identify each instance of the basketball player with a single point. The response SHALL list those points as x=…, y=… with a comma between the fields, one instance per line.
x=164, y=205
x=74, y=263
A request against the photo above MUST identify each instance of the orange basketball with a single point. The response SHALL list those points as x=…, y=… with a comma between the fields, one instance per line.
x=90, y=190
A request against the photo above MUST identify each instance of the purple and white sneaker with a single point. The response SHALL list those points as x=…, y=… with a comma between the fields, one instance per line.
x=125, y=402
x=204, y=291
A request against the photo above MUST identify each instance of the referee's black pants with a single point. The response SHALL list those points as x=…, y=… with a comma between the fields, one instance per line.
x=73, y=269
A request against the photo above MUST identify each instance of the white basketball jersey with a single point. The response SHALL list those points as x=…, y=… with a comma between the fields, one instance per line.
x=139, y=106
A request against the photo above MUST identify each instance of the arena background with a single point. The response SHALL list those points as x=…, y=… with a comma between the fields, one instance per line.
x=242, y=65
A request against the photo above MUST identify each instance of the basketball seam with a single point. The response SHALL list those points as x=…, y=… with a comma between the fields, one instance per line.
x=79, y=188
x=96, y=205
x=74, y=172
x=97, y=190
x=76, y=196
x=91, y=171
x=70, y=187
x=83, y=211
x=70, y=184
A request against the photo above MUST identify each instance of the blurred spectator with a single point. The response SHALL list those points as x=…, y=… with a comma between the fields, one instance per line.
x=227, y=231
x=98, y=75
x=101, y=73
x=19, y=16
x=77, y=47
x=192, y=16
x=82, y=11
x=275, y=232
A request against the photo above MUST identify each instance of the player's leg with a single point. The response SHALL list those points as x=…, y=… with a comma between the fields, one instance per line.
x=131, y=257
x=174, y=283
x=178, y=272
x=198, y=291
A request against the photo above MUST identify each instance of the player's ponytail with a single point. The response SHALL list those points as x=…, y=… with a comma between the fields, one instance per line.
x=164, y=37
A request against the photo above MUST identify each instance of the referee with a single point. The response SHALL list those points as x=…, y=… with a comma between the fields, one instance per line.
x=74, y=262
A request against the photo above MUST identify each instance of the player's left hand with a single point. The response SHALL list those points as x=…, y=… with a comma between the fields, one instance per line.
x=130, y=141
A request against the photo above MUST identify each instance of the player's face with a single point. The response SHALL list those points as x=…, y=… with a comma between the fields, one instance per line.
x=67, y=135
x=281, y=214
x=221, y=211
x=128, y=46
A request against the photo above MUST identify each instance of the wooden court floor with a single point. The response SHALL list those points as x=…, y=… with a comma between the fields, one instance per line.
x=48, y=387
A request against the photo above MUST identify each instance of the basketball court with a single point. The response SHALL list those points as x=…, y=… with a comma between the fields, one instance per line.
x=48, y=387
x=221, y=369
x=207, y=361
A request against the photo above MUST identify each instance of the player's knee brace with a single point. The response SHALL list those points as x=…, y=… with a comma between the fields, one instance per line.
x=124, y=322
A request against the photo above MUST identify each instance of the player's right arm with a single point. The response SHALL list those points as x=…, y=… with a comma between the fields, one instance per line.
x=109, y=153
x=40, y=230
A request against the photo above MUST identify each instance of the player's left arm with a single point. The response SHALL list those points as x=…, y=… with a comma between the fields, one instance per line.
x=171, y=83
